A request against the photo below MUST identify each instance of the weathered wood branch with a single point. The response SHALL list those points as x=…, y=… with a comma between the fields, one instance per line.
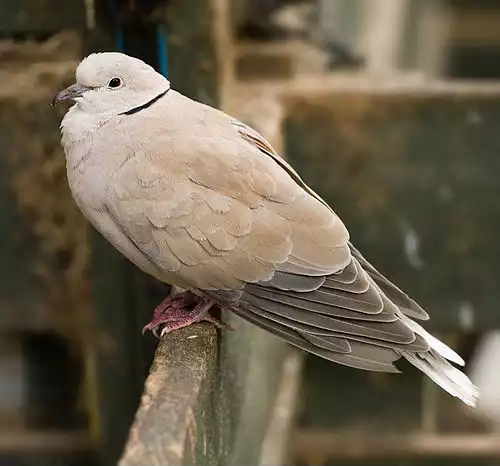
x=172, y=424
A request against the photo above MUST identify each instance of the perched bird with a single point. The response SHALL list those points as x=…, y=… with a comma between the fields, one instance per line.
x=199, y=200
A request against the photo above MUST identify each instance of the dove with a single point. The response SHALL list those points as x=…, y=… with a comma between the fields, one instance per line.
x=201, y=201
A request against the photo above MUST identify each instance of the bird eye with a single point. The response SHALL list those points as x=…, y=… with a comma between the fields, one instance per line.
x=114, y=83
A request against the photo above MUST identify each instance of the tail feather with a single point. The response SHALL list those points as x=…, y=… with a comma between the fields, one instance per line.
x=434, y=343
x=449, y=378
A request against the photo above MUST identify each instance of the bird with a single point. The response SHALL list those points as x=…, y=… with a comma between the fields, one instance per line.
x=201, y=201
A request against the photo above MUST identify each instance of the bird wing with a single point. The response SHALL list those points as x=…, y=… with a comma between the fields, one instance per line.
x=220, y=211
x=213, y=211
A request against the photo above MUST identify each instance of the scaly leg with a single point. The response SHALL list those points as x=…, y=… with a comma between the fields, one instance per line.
x=197, y=314
x=180, y=311
x=169, y=308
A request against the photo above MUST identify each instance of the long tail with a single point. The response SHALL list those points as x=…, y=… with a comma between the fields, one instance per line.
x=435, y=365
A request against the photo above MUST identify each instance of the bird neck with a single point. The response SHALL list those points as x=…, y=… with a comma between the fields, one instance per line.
x=145, y=105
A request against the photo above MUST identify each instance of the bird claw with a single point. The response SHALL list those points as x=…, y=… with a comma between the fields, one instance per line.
x=164, y=331
x=190, y=321
x=177, y=312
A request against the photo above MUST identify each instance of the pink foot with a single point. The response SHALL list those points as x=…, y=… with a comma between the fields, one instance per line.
x=180, y=311
x=171, y=307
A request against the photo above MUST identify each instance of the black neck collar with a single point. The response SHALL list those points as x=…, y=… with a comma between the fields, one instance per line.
x=146, y=105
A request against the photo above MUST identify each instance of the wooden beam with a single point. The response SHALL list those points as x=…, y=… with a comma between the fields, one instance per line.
x=357, y=445
x=276, y=445
x=172, y=425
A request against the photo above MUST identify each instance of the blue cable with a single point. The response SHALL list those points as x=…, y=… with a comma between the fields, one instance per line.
x=119, y=37
x=120, y=40
x=162, y=45
x=161, y=40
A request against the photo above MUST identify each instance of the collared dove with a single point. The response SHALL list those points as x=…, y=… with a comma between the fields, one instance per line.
x=201, y=201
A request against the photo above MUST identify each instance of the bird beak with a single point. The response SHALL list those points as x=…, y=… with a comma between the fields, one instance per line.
x=70, y=93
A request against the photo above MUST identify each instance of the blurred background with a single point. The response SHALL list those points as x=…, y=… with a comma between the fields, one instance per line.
x=390, y=109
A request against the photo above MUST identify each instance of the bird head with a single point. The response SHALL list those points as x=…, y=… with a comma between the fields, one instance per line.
x=113, y=83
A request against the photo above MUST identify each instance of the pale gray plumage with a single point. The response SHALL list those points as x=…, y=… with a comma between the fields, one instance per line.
x=199, y=200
